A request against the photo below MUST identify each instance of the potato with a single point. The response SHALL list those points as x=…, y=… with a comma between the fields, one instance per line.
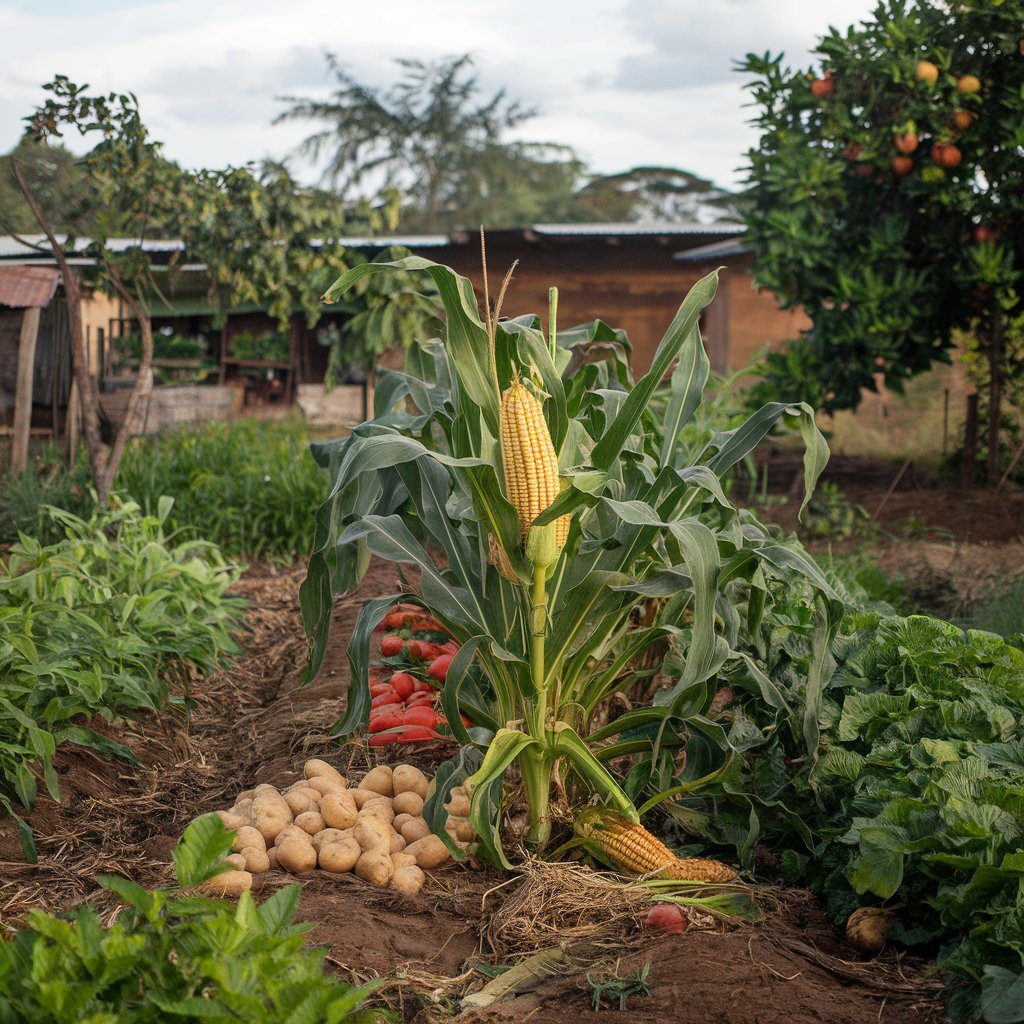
x=314, y=768
x=407, y=779
x=379, y=808
x=429, y=851
x=311, y=822
x=248, y=836
x=291, y=832
x=263, y=789
x=402, y=860
x=379, y=780
x=243, y=808
x=270, y=813
x=232, y=822
x=398, y=844
x=867, y=927
x=328, y=835
x=408, y=880
x=299, y=801
x=296, y=855
x=323, y=786
x=460, y=830
x=236, y=860
x=408, y=803
x=400, y=820
x=459, y=791
x=361, y=796
x=375, y=868
x=415, y=829
x=338, y=809
x=246, y=794
x=339, y=856
x=458, y=807
x=373, y=834
x=228, y=883
x=272, y=858
x=257, y=860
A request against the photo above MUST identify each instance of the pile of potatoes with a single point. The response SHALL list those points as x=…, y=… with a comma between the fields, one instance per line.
x=375, y=829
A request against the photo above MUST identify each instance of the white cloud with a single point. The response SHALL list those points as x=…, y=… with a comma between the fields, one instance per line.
x=625, y=82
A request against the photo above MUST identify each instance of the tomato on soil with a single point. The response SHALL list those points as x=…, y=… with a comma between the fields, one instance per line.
x=388, y=720
x=421, y=715
x=386, y=698
x=416, y=734
x=390, y=646
x=403, y=684
x=439, y=667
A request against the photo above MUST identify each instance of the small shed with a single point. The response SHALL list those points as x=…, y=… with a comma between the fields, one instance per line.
x=35, y=356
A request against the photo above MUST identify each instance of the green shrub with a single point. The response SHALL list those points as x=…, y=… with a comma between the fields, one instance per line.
x=170, y=955
x=46, y=481
x=100, y=623
x=247, y=485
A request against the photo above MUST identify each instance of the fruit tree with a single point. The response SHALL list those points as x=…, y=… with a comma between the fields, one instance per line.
x=887, y=198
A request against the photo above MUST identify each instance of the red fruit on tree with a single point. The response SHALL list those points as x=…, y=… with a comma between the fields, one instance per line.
x=822, y=87
x=865, y=170
x=926, y=71
x=962, y=120
x=966, y=85
x=901, y=165
x=906, y=143
x=945, y=154
x=853, y=150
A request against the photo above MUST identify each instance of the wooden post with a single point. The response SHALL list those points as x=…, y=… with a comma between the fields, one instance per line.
x=23, y=390
x=72, y=428
x=968, y=466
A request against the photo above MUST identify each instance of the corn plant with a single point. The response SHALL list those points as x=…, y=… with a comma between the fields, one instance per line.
x=546, y=637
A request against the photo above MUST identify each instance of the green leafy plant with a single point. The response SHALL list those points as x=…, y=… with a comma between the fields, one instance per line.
x=100, y=623
x=619, y=990
x=170, y=954
x=545, y=645
x=246, y=485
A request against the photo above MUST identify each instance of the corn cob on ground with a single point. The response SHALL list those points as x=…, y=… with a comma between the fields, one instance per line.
x=531, y=466
x=630, y=847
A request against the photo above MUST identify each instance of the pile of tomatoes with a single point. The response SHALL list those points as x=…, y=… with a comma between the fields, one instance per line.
x=405, y=684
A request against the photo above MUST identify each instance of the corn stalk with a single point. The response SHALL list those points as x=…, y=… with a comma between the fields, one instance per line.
x=542, y=650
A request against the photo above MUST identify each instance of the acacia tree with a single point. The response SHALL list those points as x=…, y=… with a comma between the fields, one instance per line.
x=128, y=183
x=887, y=198
x=430, y=137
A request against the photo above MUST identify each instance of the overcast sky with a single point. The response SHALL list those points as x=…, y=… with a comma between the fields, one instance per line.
x=624, y=82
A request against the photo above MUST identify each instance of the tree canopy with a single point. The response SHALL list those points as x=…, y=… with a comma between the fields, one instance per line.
x=887, y=195
x=445, y=148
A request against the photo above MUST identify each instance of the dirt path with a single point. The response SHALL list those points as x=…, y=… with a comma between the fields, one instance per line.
x=255, y=722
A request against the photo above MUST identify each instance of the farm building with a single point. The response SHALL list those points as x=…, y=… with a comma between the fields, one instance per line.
x=630, y=275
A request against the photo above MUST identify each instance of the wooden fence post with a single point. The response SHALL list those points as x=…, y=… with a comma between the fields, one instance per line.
x=23, y=390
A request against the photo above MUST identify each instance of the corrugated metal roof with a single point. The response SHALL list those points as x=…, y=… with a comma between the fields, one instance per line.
x=714, y=251
x=640, y=228
x=37, y=245
x=24, y=287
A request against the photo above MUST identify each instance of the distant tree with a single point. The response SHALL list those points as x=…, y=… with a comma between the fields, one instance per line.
x=887, y=198
x=655, y=194
x=55, y=179
x=431, y=138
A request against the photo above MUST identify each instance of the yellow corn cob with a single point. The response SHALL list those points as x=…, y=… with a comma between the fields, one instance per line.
x=630, y=847
x=531, y=467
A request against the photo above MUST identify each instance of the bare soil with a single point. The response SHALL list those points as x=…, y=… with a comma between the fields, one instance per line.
x=256, y=722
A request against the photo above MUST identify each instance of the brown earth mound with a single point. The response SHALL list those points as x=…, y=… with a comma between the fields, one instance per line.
x=255, y=722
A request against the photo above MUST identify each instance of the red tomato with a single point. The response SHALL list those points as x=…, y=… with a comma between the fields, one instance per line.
x=386, y=698
x=439, y=667
x=666, y=918
x=403, y=684
x=416, y=734
x=422, y=686
x=389, y=718
x=421, y=715
x=451, y=647
x=383, y=739
x=419, y=700
x=465, y=721
x=376, y=689
x=390, y=646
